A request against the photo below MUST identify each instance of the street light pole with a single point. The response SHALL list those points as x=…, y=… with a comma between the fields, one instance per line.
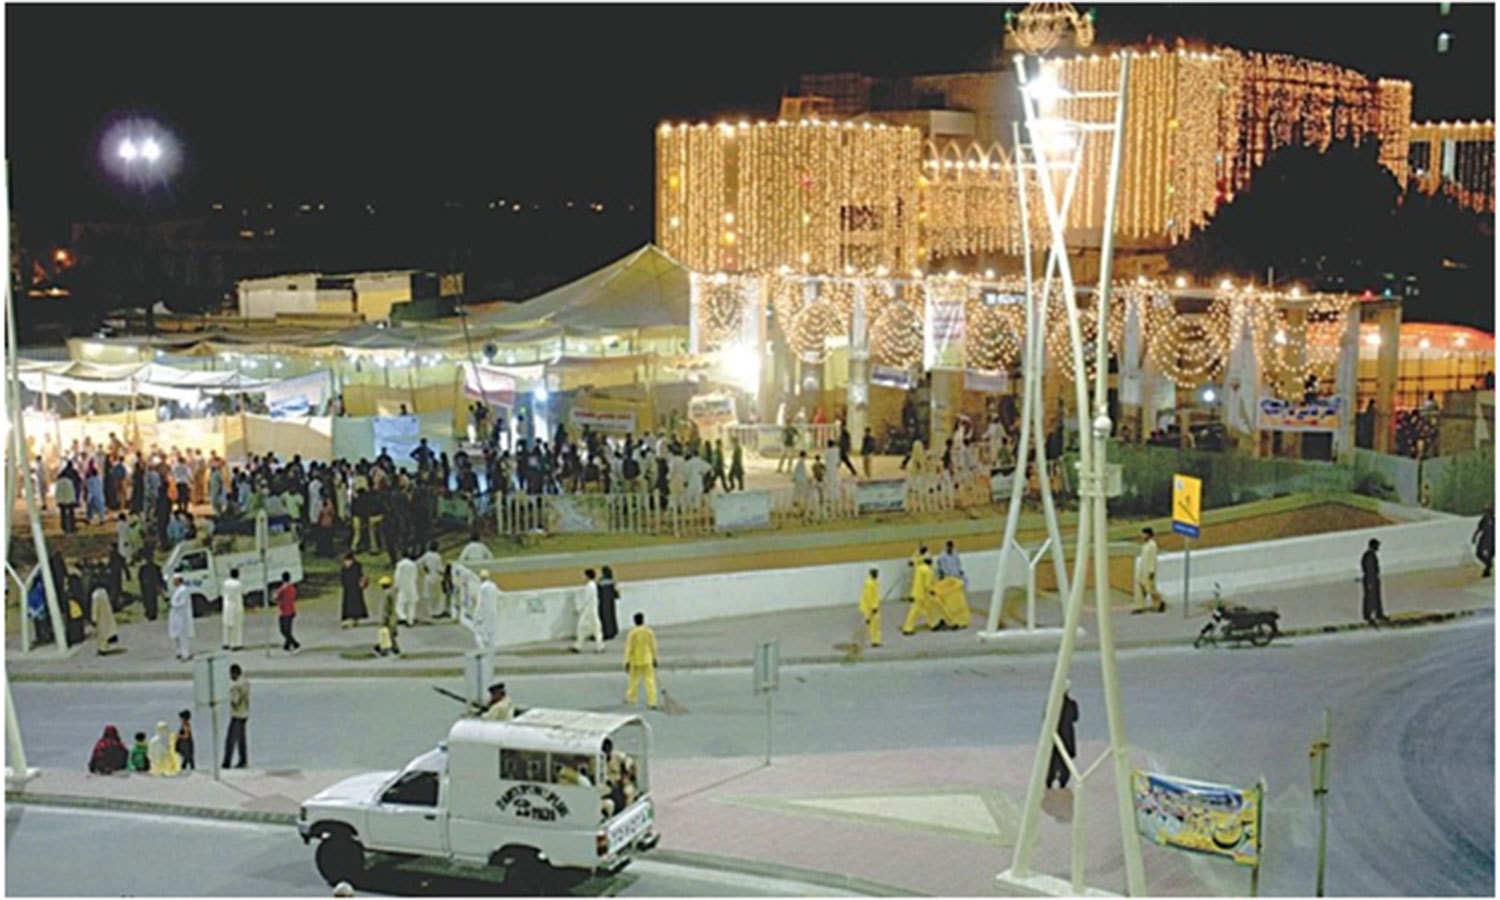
x=1093, y=518
x=22, y=457
x=1134, y=869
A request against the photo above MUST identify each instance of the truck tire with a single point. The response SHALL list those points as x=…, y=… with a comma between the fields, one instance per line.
x=340, y=858
x=526, y=873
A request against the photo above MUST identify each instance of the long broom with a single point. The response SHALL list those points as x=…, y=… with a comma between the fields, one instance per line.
x=668, y=705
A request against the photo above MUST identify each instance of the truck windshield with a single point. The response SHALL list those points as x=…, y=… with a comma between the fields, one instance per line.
x=413, y=788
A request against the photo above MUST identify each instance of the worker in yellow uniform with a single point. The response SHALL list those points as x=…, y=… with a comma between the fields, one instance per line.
x=869, y=606
x=640, y=661
x=952, y=602
x=916, y=560
x=923, y=605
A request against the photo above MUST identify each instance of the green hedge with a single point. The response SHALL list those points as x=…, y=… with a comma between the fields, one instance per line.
x=1228, y=479
x=1466, y=484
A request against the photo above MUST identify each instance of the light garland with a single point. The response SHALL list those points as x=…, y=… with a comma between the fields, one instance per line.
x=1058, y=340
x=993, y=333
x=1190, y=347
x=812, y=327
x=722, y=311
x=1288, y=348
x=1040, y=26
x=896, y=335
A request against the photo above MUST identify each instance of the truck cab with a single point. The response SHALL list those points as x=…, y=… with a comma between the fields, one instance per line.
x=205, y=564
x=524, y=796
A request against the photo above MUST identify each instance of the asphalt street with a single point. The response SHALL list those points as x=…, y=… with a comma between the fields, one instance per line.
x=144, y=855
x=1412, y=778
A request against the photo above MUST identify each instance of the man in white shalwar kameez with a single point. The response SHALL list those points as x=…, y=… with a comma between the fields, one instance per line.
x=180, y=619
x=586, y=605
x=486, y=619
x=405, y=578
x=233, y=625
x=431, y=565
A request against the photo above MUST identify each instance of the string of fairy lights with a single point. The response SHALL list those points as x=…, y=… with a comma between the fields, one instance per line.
x=1469, y=173
x=1187, y=336
x=818, y=196
x=1198, y=124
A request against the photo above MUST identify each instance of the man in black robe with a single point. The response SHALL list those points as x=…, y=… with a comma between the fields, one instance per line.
x=1369, y=564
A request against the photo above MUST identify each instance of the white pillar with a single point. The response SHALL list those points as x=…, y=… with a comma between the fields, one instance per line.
x=1346, y=382
x=859, y=367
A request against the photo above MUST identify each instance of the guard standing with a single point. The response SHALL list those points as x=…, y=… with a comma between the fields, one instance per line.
x=1484, y=539
x=1057, y=769
x=1369, y=564
x=500, y=708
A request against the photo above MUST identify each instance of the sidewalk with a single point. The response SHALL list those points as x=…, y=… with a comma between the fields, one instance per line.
x=823, y=635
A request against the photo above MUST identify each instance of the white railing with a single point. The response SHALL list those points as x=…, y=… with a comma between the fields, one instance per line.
x=646, y=513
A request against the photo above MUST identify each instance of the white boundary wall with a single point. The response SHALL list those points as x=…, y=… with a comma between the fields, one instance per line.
x=1436, y=541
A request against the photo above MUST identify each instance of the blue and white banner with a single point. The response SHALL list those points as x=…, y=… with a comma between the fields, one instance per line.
x=1322, y=414
x=397, y=435
x=304, y=395
x=886, y=495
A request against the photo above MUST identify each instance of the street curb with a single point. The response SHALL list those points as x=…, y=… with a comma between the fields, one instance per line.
x=115, y=804
x=768, y=870
x=674, y=857
x=813, y=659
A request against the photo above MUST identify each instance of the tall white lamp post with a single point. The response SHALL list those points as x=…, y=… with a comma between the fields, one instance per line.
x=1056, y=143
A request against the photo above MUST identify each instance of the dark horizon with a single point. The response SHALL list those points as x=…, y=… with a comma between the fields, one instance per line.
x=293, y=104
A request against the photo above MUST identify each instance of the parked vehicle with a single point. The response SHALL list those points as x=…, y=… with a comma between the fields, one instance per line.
x=496, y=795
x=1238, y=623
x=205, y=564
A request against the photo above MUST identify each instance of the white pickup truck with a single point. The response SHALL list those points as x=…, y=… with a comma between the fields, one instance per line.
x=205, y=565
x=496, y=795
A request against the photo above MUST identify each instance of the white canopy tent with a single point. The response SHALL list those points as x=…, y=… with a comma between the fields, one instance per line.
x=149, y=379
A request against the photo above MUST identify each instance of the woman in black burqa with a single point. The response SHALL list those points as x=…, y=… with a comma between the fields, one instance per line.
x=609, y=595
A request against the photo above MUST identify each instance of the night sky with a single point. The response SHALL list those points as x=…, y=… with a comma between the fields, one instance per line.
x=380, y=103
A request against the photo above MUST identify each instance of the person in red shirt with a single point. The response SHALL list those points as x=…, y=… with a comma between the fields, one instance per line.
x=286, y=605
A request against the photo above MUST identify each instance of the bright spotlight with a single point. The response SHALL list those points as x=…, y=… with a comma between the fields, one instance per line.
x=742, y=364
x=140, y=152
x=1209, y=395
x=539, y=393
x=1045, y=87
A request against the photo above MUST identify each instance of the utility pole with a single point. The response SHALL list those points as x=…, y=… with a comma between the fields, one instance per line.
x=1318, y=756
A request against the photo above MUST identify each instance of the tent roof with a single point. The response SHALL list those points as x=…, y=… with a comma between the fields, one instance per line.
x=646, y=289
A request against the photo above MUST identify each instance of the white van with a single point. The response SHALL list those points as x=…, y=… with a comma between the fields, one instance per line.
x=204, y=565
x=495, y=795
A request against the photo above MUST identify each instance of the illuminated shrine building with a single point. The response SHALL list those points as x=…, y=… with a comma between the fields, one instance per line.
x=1456, y=159
x=863, y=173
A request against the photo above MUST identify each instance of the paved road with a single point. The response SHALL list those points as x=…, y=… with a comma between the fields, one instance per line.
x=135, y=854
x=1412, y=808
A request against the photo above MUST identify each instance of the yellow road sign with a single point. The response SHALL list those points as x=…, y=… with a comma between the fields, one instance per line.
x=1187, y=496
